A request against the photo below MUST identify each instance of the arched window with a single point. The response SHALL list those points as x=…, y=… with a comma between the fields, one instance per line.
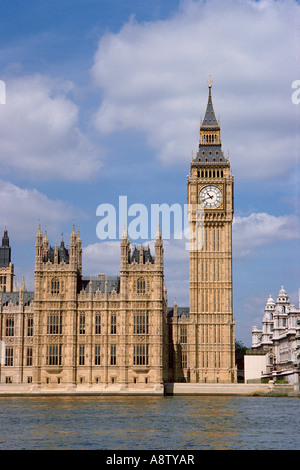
x=55, y=286
x=141, y=286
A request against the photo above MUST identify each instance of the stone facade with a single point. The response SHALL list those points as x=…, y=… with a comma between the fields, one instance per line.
x=107, y=331
x=211, y=349
x=279, y=338
x=73, y=330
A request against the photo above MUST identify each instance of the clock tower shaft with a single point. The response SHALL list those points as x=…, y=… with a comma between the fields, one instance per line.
x=210, y=187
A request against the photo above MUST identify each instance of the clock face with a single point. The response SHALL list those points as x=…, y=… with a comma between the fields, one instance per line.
x=210, y=197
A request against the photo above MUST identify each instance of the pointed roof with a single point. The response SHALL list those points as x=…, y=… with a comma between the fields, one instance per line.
x=5, y=239
x=5, y=251
x=210, y=149
x=210, y=119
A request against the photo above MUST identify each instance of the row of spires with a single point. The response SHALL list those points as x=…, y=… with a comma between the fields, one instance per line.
x=45, y=253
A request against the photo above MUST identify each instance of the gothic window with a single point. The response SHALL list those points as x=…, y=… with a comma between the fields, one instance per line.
x=183, y=334
x=9, y=357
x=97, y=355
x=3, y=283
x=140, y=355
x=54, y=324
x=29, y=357
x=183, y=360
x=81, y=355
x=141, y=324
x=53, y=355
x=141, y=286
x=98, y=325
x=82, y=324
x=55, y=286
x=30, y=326
x=113, y=355
x=10, y=327
x=113, y=324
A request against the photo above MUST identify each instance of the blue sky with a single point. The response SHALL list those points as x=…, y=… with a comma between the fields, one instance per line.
x=104, y=99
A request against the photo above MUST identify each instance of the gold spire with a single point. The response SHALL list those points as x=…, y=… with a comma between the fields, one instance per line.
x=210, y=81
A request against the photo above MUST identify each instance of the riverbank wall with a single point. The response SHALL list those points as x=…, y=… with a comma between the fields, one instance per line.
x=269, y=389
x=169, y=389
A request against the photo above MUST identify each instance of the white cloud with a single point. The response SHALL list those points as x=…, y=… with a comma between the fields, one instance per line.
x=261, y=229
x=39, y=132
x=153, y=80
x=101, y=258
x=21, y=210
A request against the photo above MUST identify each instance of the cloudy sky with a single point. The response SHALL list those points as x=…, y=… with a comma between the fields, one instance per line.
x=103, y=98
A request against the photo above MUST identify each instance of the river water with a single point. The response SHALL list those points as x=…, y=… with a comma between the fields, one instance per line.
x=149, y=423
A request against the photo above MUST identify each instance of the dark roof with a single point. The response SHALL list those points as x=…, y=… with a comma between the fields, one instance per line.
x=5, y=251
x=210, y=119
x=181, y=312
x=210, y=154
x=96, y=284
x=63, y=254
x=146, y=255
x=14, y=298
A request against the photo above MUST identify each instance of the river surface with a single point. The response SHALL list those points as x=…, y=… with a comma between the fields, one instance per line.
x=149, y=423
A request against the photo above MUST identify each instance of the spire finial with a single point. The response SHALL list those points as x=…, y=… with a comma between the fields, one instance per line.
x=210, y=81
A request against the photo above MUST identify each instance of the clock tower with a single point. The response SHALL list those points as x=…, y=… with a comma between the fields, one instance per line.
x=210, y=193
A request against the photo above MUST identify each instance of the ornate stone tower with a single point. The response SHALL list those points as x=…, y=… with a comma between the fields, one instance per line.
x=6, y=267
x=210, y=187
x=57, y=273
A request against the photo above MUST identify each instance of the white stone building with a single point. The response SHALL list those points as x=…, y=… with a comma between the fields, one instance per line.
x=279, y=339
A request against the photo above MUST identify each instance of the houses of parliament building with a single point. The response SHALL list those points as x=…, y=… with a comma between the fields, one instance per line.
x=120, y=333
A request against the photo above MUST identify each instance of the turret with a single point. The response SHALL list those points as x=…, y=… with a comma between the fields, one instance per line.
x=125, y=249
x=79, y=253
x=73, y=249
x=45, y=247
x=6, y=266
x=38, y=246
x=159, y=250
